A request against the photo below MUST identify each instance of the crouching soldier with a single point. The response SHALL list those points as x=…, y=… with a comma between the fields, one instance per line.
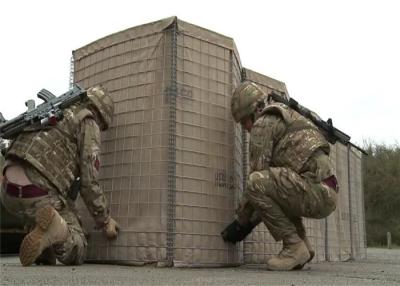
x=290, y=176
x=41, y=166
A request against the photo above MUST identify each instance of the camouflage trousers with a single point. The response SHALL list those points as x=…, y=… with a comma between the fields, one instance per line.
x=280, y=198
x=73, y=250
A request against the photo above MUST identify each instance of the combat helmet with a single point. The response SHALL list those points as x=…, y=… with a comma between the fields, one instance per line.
x=101, y=102
x=245, y=100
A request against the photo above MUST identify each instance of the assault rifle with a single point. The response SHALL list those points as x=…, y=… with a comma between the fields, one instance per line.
x=45, y=114
x=331, y=133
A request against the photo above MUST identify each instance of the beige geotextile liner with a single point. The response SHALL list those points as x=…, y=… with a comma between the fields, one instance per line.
x=357, y=206
x=208, y=168
x=134, y=150
x=134, y=172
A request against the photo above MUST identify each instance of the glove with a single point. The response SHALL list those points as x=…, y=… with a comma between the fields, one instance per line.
x=235, y=232
x=110, y=228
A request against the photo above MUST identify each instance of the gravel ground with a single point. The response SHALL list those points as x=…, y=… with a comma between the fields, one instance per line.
x=382, y=267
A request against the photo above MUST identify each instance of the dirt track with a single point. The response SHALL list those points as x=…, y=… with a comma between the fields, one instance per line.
x=382, y=267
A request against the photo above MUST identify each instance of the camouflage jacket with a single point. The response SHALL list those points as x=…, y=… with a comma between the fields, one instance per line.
x=283, y=138
x=64, y=152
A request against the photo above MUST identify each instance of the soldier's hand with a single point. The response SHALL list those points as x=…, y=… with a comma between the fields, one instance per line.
x=235, y=232
x=111, y=228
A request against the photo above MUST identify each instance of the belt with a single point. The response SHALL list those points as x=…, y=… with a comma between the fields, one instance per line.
x=28, y=191
x=332, y=183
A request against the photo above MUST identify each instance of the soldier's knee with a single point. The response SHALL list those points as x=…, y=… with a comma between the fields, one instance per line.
x=259, y=182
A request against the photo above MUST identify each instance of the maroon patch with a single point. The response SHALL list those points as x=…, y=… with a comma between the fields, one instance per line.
x=97, y=163
x=331, y=182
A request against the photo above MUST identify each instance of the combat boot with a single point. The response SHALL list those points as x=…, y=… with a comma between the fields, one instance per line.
x=293, y=254
x=310, y=250
x=50, y=228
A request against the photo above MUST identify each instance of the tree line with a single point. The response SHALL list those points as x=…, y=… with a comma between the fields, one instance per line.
x=382, y=192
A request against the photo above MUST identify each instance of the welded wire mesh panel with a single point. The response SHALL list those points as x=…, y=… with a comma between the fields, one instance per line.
x=344, y=204
x=208, y=164
x=357, y=205
x=172, y=162
x=338, y=240
x=239, y=153
x=317, y=235
x=134, y=150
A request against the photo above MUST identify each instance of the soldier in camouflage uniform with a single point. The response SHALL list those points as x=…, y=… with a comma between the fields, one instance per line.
x=290, y=176
x=42, y=164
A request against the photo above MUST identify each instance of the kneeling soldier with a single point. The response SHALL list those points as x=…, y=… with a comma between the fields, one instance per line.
x=41, y=166
x=290, y=176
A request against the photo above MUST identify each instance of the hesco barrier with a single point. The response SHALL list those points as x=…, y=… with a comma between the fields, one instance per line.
x=339, y=237
x=173, y=160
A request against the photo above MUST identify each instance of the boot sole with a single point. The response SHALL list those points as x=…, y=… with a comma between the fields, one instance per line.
x=30, y=247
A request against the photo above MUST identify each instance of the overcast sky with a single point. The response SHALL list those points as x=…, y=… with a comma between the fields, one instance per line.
x=338, y=58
